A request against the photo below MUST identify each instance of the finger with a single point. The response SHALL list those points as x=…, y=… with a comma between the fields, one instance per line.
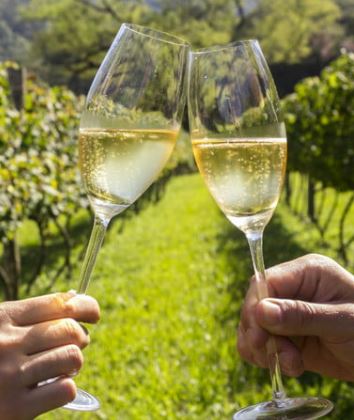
x=51, y=334
x=64, y=360
x=300, y=278
x=256, y=341
x=248, y=317
x=299, y=318
x=48, y=397
x=256, y=337
x=290, y=359
x=289, y=355
x=242, y=347
x=54, y=306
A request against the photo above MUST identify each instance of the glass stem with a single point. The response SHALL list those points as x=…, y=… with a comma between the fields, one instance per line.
x=98, y=232
x=255, y=243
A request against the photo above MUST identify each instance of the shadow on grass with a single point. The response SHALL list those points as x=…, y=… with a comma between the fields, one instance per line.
x=55, y=255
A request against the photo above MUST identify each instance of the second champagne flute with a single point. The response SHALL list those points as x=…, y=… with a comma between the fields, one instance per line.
x=128, y=130
x=239, y=144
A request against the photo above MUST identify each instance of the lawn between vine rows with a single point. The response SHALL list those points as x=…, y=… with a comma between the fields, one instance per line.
x=170, y=285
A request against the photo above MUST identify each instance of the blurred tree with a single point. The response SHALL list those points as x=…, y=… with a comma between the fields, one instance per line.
x=292, y=30
x=14, y=33
x=202, y=23
x=347, y=21
x=75, y=34
x=78, y=32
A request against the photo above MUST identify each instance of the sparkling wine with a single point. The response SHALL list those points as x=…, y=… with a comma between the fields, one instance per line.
x=244, y=175
x=117, y=165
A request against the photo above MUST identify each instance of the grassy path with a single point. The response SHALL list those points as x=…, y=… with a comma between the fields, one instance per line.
x=170, y=286
x=163, y=285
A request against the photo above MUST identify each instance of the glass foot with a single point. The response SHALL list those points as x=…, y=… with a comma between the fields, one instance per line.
x=83, y=402
x=290, y=408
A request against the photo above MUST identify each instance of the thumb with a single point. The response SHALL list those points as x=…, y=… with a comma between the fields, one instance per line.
x=300, y=318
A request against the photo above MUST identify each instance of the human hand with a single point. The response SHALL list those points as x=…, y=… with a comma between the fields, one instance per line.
x=311, y=314
x=40, y=339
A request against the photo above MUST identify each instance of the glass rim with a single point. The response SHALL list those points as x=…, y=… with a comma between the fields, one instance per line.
x=231, y=45
x=156, y=34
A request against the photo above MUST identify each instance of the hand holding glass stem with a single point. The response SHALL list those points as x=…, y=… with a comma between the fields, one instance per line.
x=128, y=130
x=312, y=319
x=239, y=143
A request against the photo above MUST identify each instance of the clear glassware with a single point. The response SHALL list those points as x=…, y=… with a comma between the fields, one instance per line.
x=128, y=129
x=239, y=143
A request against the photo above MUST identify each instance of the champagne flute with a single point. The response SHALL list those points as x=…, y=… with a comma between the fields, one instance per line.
x=239, y=144
x=128, y=130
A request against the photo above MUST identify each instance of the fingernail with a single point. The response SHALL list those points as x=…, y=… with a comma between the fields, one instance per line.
x=73, y=373
x=71, y=294
x=290, y=365
x=80, y=298
x=84, y=328
x=271, y=312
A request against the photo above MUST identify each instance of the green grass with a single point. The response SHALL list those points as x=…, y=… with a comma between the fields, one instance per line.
x=170, y=287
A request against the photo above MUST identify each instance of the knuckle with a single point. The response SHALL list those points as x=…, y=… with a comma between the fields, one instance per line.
x=28, y=372
x=304, y=313
x=7, y=310
x=9, y=372
x=70, y=308
x=315, y=261
x=58, y=302
x=7, y=341
x=23, y=368
x=290, y=312
x=73, y=331
x=74, y=356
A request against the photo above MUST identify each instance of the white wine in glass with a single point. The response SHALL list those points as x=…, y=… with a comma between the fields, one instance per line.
x=239, y=143
x=128, y=129
x=244, y=176
x=117, y=165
